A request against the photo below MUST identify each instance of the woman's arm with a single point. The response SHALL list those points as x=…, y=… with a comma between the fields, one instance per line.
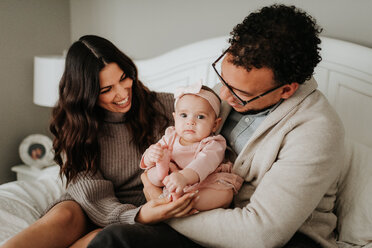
x=96, y=196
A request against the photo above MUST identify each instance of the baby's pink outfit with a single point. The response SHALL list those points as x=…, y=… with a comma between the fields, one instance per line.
x=204, y=158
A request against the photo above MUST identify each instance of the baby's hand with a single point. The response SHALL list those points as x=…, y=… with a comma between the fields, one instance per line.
x=175, y=182
x=153, y=154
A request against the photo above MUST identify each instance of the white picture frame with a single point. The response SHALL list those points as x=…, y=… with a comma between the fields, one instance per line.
x=36, y=150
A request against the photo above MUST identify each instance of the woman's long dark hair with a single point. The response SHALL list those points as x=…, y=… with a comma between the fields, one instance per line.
x=76, y=118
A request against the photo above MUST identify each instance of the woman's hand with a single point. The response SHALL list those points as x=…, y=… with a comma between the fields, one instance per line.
x=158, y=210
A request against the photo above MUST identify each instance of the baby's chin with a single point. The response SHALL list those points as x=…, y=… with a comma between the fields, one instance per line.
x=185, y=140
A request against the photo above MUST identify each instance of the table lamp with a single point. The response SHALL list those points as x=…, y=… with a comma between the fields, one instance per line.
x=48, y=71
x=36, y=150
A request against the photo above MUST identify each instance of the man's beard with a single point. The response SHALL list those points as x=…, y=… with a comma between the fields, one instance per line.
x=253, y=112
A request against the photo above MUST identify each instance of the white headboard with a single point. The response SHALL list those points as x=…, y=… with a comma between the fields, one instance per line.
x=344, y=76
x=182, y=66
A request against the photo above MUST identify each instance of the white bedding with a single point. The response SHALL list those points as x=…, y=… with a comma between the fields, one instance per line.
x=23, y=202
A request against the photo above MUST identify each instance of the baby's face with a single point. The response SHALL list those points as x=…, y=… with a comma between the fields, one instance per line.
x=194, y=119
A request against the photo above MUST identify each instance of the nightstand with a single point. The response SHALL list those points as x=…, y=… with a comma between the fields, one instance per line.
x=26, y=173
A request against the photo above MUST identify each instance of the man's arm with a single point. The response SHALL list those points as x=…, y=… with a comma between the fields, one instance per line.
x=285, y=197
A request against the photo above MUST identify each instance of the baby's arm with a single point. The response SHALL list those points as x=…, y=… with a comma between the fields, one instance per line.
x=205, y=162
x=156, y=158
x=177, y=181
x=153, y=154
x=209, y=157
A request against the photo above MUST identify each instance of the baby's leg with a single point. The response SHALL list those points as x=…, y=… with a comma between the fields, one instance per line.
x=157, y=174
x=154, y=177
x=213, y=198
x=162, y=166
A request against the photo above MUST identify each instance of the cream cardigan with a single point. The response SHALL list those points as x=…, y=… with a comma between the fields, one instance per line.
x=290, y=168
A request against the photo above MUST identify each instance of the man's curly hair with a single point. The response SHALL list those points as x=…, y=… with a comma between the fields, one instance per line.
x=282, y=38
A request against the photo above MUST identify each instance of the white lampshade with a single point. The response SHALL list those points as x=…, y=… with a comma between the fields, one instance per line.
x=48, y=71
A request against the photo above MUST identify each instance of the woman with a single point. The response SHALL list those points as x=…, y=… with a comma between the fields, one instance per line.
x=103, y=121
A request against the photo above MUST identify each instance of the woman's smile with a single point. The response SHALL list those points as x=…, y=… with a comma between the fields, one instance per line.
x=122, y=102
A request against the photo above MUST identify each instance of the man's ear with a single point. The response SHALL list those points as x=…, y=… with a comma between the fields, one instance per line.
x=174, y=115
x=217, y=124
x=288, y=90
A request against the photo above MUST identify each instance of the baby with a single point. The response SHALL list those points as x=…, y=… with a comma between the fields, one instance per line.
x=189, y=156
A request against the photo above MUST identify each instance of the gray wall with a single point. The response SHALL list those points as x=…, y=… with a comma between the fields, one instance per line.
x=145, y=28
x=27, y=28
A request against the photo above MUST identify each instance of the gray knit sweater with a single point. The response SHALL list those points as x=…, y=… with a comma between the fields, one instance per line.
x=114, y=194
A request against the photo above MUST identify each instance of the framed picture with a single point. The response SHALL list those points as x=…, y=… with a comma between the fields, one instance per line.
x=36, y=150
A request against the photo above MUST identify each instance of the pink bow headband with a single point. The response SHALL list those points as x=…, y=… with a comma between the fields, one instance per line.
x=196, y=89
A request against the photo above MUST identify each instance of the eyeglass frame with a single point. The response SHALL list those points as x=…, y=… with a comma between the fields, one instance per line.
x=240, y=101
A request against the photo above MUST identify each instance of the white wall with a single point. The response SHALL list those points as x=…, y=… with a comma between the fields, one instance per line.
x=145, y=28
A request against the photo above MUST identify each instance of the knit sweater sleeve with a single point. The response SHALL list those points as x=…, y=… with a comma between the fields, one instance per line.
x=96, y=196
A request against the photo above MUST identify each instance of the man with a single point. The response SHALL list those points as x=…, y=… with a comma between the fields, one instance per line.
x=288, y=138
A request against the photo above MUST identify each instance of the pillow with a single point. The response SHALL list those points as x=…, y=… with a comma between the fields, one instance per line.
x=354, y=200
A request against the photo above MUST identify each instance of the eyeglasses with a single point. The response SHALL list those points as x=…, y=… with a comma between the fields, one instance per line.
x=236, y=97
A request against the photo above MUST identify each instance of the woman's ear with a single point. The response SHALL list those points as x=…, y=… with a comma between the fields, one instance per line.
x=217, y=124
x=288, y=90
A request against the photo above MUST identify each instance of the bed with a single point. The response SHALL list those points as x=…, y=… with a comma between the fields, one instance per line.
x=344, y=76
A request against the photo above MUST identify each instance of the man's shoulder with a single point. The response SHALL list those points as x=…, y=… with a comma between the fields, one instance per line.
x=316, y=111
x=318, y=103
